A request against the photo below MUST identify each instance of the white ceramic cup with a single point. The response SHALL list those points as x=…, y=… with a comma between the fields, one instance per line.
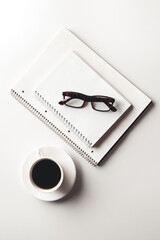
x=67, y=173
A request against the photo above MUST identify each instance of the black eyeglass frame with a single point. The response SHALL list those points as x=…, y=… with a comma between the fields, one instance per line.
x=86, y=98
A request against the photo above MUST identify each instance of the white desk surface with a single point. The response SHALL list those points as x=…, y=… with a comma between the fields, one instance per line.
x=121, y=199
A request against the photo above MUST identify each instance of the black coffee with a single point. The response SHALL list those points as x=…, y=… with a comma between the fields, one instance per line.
x=46, y=174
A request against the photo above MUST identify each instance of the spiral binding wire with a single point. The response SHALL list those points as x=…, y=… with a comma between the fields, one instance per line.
x=52, y=127
x=62, y=118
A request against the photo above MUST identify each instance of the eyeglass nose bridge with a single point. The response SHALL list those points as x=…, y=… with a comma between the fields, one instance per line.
x=88, y=98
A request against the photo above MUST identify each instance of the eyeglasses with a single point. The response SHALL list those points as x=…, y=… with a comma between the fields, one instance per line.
x=98, y=102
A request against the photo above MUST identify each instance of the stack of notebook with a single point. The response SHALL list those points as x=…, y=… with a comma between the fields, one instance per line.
x=68, y=64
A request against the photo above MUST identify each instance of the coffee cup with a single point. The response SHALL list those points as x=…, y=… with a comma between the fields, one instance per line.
x=49, y=173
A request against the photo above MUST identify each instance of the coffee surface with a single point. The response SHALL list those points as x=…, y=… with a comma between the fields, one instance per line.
x=46, y=174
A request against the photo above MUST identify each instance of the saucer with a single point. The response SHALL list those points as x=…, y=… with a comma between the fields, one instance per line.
x=60, y=157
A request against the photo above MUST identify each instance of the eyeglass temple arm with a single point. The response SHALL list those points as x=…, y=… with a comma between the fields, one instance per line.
x=111, y=107
x=75, y=95
x=64, y=101
x=103, y=99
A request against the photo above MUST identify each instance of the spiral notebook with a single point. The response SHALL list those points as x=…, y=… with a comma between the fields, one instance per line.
x=73, y=74
x=41, y=70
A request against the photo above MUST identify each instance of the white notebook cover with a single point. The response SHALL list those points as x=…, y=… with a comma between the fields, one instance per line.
x=63, y=43
x=73, y=74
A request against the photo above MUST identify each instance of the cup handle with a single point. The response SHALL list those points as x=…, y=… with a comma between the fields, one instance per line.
x=40, y=153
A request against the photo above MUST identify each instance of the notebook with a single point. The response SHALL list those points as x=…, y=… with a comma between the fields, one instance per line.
x=73, y=74
x=63, y=43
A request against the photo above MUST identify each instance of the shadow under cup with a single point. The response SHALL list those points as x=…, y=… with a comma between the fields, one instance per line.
x=46, y=174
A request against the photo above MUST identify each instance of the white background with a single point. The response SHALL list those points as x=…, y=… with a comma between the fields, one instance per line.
x=119, y=200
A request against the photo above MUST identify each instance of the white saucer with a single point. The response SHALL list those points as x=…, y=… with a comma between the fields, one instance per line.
x=66, y=163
